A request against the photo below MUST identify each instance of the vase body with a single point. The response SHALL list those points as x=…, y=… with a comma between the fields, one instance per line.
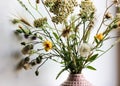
x=76, y=80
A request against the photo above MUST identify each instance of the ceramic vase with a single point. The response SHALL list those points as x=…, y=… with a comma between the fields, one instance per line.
x=76, y=80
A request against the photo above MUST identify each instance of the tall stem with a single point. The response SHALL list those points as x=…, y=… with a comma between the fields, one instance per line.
x=104, y=18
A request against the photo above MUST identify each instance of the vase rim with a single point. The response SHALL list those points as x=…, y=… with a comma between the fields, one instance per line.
x=78, y=75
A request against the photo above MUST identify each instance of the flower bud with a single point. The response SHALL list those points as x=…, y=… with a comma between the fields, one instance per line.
x=23, y=43
x=27, y=49
x=27, y=59
x=26, y=36
x=36, y=72
x=38, y=60
x=15, y=21
x=37, y=1
x=33, y=63
x=114, y=26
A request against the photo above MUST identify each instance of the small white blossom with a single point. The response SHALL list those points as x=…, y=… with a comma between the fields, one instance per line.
x=85, y=49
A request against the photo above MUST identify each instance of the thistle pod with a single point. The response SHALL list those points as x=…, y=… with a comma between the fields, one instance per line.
x=34, y=37
x=26, y=36
x=27, y=66
x=27, y=49
x=33, y=63
x=27, y=59
x=38, y=60
x=40, y=56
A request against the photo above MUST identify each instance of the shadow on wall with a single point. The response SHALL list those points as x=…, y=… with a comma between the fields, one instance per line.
x=118, y=64
x=18, y=58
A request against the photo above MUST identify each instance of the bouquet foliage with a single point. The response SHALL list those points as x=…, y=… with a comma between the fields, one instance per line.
x=66, y=35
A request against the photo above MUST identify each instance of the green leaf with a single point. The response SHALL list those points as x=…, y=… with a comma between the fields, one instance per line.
x=100, y=50
x=25, y=31
x=96, y=40
x=56, y=36
x=93, y=58
x=91, y=68
x=60, y=72
x=72, y=36
x=40, y=38
x=19, y=31
x=55, y=60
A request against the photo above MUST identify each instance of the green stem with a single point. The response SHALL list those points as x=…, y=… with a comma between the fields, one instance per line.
x=23, y=5
x=36, y=9
x=52, y=22
x=104, y=18
x=41, y=64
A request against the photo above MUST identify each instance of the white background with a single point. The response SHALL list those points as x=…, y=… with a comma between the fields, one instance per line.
x=107, y=66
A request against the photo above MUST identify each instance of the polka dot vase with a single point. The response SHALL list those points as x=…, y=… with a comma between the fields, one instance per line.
x=76, y=80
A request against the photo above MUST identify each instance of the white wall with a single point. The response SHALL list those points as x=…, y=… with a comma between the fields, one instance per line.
x=106, y=74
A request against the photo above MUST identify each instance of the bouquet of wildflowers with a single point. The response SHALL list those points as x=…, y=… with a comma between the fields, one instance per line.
x=73, y=44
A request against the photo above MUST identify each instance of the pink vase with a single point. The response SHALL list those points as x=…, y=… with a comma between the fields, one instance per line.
x=76, y=80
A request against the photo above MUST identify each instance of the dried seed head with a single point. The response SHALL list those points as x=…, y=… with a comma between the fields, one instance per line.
x=38, y=60
x=116, y=2
x=15, y=21
x=40, y=22
x=66, y=32
x=33, y=63
x=91, y=24
x=37, y=1
x=25, y=21
x=27, y=59
x=61, y=9
x=87, y=9
x=27, y=49
x=27, y=66
x=108, y=15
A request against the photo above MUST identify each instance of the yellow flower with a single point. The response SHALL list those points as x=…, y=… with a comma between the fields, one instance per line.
x=47, y=45
x=99, y=36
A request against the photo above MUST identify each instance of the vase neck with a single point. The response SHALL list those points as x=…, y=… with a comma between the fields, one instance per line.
x=76, y=77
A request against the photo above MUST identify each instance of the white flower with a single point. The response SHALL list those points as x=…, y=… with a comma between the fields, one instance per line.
x=85, y=49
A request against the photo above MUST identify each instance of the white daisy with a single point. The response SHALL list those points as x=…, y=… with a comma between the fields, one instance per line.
x=85, y=49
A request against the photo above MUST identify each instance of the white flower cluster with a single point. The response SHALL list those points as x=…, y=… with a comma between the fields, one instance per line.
x=85, y=49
